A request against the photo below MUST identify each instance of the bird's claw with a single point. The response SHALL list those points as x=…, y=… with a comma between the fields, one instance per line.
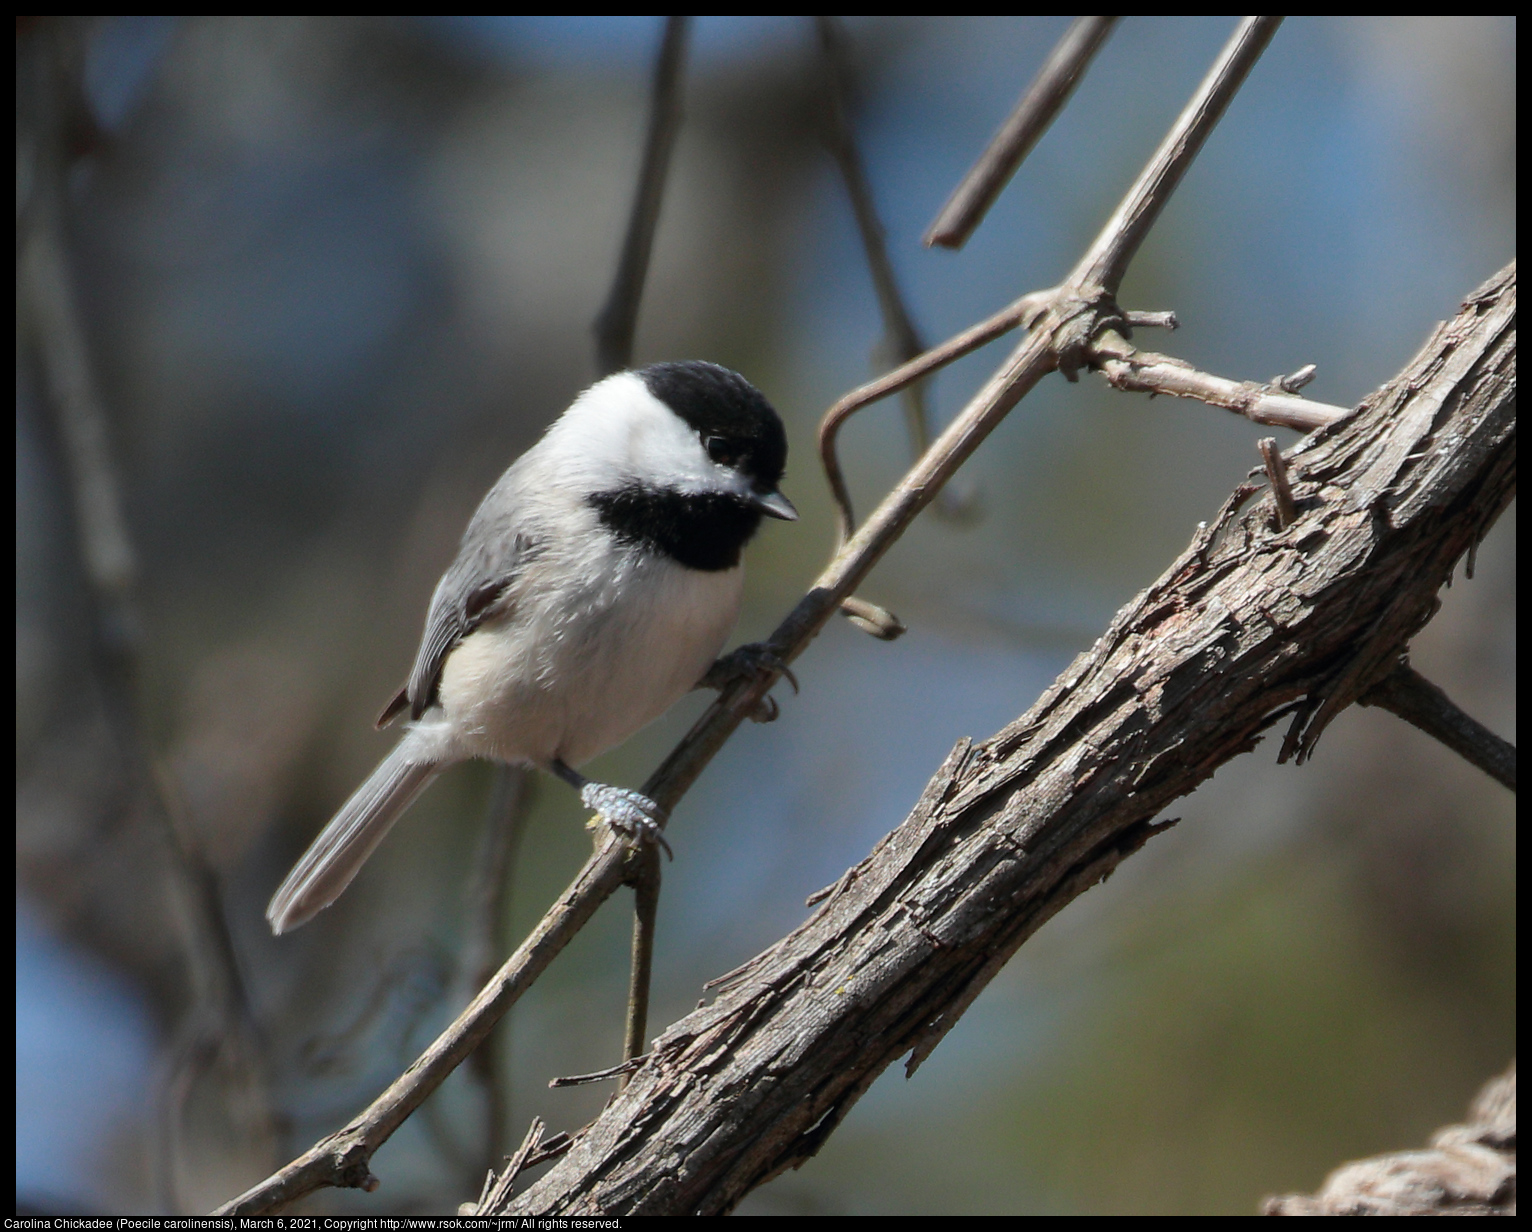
x=745, y=662
x=630, y=813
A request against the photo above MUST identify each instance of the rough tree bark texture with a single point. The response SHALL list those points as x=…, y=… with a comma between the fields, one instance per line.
x=1250, y=625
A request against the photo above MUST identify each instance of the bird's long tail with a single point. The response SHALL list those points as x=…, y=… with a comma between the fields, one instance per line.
x=333, y=858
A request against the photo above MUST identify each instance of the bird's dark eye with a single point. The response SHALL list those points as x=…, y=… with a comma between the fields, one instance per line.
x=720, y=450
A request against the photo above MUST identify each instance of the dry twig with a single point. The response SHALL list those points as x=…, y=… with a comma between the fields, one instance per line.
x=1028, y=121
x=1276, y=475
x=1129, y=369
x=1407, y=693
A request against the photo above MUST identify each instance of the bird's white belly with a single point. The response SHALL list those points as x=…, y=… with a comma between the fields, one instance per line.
x=570, y=675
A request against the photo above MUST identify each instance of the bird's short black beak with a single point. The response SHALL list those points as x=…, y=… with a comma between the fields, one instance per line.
x=774, y=505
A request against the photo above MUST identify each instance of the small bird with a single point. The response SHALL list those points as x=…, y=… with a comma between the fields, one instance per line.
x=594, y=587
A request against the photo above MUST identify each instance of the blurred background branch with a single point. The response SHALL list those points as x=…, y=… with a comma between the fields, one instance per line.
x=217, y=1036
x=618, y=320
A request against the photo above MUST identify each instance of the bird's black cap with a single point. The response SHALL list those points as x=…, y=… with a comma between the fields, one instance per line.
x=721, y=404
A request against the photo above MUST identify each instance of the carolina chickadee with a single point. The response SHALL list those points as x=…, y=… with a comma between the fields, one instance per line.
x=594, y=586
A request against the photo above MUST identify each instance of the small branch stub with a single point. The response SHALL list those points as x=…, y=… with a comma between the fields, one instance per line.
x=1276, y=473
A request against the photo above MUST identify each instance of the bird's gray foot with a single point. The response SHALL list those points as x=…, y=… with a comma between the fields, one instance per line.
x=632, y=814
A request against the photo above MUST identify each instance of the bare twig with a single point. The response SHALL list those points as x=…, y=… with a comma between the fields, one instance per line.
x=498, y=1190
x=971, y=339
x=622, y=1071
x=1276, y=475
x=1067, y=319
x=618, y=319
x=646, y=902
x=1407, y=693
x=1010, y=145
x=1134, y=371
x=1105, y=263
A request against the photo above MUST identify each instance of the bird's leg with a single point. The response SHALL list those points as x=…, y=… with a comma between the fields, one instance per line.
x=632, y=814
x=743, y=662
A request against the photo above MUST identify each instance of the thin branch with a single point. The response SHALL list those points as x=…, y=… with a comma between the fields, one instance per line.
x=601, y=1075
x=1276, y=475
x=342, y=1159
x=1134, y=371
x=646, y=903
x=1034, y=112
x=959, y=345
x=1407, y=693
x=1107, y=260
x=497, y=1190
x=618, y=320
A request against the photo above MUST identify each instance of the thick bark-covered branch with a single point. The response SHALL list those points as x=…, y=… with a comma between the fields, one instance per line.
x=1248, y=625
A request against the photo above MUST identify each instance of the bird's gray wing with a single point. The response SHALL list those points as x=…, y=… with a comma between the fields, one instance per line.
x=474, y=589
